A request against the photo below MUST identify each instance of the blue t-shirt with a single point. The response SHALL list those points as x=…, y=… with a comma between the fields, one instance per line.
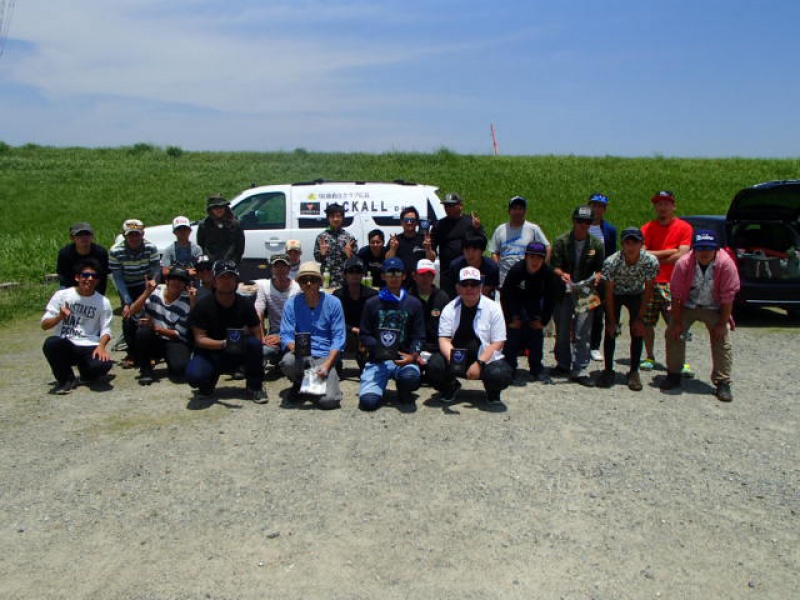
x=325, y=323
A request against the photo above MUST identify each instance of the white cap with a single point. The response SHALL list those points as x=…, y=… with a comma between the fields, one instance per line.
x=178, y=222
x=469, y=274
x=426, y=266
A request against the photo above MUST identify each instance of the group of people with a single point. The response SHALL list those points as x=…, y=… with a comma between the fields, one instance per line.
x=487, y=314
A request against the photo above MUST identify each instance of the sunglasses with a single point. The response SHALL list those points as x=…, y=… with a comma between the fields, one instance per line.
x=393, y=274
x=470, y=284
x=409, y=220
x=89, y=275
x=308, y=280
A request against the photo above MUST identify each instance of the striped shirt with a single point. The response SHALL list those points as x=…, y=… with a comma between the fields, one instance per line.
x=173, y=315
x=132, y=264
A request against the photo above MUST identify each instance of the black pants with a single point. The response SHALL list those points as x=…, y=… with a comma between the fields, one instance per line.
x=131, y=325
x=496, y=376
x=62, y=355
x=633, y=303
x=520, y=340
x=150, y=346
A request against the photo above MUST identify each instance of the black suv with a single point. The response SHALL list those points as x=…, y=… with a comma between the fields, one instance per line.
x=762, y=232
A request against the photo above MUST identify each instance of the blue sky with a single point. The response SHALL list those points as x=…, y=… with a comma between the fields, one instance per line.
x=626, y=78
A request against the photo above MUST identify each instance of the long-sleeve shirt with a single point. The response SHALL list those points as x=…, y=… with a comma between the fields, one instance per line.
x=405, y=316
x=333, y=261
x=129, y=266
x=726, y=278
x=529, y=294
x=325, y=324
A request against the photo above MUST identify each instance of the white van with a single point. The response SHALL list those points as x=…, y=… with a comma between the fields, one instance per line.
x=272, y=214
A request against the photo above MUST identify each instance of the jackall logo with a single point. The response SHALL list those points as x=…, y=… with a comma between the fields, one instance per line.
x=388, y=338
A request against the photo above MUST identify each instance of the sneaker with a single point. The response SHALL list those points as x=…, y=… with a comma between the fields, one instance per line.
x=493, y=396
x=596, y=355
x=648, y=364
x=724, y=393
x=584, y=380
x=559, y=371
x=543, y=378
x=606, y=379
x=238, y=374
x=686, y=371
x=146, y=379
x=520, y=379
x=671, y=381
x=258, y=396
x=62, y=389
x=449, y=396
x=204, y=394
x=634, y=381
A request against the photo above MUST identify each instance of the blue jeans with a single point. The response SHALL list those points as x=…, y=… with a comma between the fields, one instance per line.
x=573, y=337
x=207, y=365
x=375, y=377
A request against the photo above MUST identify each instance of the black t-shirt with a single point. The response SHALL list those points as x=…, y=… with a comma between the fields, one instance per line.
x=465, y=336
x=410, y=251
x=447, y=235
x=374, y=265
x=215, y=319
x=433, y=307
x=68, y=259
x=354, y=308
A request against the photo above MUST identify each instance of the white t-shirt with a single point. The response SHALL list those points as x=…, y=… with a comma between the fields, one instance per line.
x=489, y=324
x=510, y=242
x=90, y=319
x=271, y=300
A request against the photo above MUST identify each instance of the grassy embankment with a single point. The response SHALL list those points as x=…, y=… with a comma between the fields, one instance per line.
x=44, y=190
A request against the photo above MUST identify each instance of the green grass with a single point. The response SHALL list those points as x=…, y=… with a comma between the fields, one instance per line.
x=44, y=190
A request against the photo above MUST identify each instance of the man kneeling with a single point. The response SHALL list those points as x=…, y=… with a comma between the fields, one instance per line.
x=472, y=332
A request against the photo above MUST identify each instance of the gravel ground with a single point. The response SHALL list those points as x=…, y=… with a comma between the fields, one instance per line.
x=563, y=492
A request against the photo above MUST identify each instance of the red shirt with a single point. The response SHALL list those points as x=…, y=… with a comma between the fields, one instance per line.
x=667, y=237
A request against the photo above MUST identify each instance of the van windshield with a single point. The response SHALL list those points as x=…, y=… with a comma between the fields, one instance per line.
x=262, y=211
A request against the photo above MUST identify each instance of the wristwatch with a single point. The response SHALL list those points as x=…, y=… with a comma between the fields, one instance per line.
x=481, y=363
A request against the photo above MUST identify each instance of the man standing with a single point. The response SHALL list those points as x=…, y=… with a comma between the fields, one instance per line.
x=271, y=298
x=629, y=279
x=607, y=233
x=354, y=295
x=510, y=239
x=182, y=252
x=334, y=246
x=472, y=332
x=83, y=317
x=226, y=336
x=577, y=257
x=220, y=234
x=704, y=284
x=313, y=335
x=447, y=235
x=473, y=246
x=81, y=247
x=132, y=262
x=393, y=331
x=667, y=238
x=410, y=246
x=528, y=298
x=295, y=251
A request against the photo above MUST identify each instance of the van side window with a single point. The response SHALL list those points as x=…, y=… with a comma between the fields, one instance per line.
x=262, y=211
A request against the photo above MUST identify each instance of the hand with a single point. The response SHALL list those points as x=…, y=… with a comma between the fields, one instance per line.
x=192, y=292
x=322, y=371
x=147, y=322
x=536, y=324
x=566, y=277
x=126, y=311
x=150, y=285
x=474, y=371
x=355, y=330
x=324, y=246
x=405, y=359
x=64, y=312
x=427, y=243
x=350, y=249
x=719, y=331
x=638, y=327
x=393, y=242
x=476, y=220
x=272, y=340
x=100, y=353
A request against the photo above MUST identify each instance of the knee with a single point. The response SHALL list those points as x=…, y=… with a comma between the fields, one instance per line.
x=53, y=344
x=199, y=372
x=408, y=379
x=369, y=402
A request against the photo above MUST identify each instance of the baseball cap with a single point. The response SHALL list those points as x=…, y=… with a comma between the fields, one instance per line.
x=583, y=213
x=216, y=200
x=179, y=222
x=599, y=198
x=276, y=258
x=293, y=245
x=393, y=264
x=80, y=228
x=426, y=266
x=132, y=225
x=469, y=274
x=203, y=262
x=178, y=272
x=518, y=200
x=225, y=266
x=452, y=198
x=663, y=195
x=536, y=249
x=310, y=269
x=632, y=233
x=354, y=263
x=705, y=239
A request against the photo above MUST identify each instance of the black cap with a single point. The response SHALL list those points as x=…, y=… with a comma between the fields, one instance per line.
x=225, y=266
x=521, y=200
x=583, y=213
x=354, y=263
x=178, y=272
x=216, y=200
x=452, y=198
x=632, y=233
